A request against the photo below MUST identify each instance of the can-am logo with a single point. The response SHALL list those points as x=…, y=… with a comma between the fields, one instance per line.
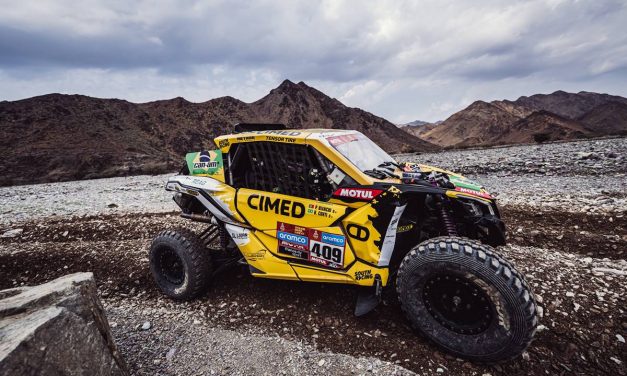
x=364, y=194
x=205, y=164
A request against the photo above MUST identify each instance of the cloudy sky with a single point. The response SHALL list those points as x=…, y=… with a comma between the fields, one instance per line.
x=402, y=60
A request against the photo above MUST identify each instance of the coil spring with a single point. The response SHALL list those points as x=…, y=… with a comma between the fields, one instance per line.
x=448, y=222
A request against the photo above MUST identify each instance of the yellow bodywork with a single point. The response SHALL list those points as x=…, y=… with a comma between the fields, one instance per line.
x=360, y=254
x=261, y=213
x=289, y=237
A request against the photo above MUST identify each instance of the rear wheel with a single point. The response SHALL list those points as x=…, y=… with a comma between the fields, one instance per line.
x=466, y=298
x=180, y=264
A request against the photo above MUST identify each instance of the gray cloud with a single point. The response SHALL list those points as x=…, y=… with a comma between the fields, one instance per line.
x=402, y=60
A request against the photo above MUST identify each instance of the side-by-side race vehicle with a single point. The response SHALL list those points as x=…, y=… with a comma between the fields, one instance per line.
x=329, y=205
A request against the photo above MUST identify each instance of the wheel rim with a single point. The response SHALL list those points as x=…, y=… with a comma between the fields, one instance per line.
x=458, y=304
x=171, y=266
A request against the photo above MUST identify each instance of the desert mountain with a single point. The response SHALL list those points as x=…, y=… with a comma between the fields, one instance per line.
x=417, y=127
x=556, y=116
x=415, y=123
x=607, y=118
x=64, y=137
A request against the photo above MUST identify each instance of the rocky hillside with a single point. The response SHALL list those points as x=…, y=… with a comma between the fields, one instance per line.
x=66, y=137
x=419, y=127
x=541, y=117
x=415, y=123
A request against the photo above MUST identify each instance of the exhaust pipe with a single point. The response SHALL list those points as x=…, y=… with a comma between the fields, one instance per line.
x=197, y=217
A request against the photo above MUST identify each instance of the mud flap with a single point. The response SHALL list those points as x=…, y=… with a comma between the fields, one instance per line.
x=368, y=298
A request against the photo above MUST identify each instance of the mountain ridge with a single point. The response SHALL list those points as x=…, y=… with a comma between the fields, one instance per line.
x=57, y=137
x=536, y=118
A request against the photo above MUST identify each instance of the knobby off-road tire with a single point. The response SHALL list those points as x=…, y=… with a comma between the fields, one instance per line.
x=180, y=264
x=467, y=299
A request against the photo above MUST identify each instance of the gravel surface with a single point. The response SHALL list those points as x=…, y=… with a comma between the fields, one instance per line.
x=170, y=341
x=571, y=176
x=559, y=175
x=568, y=235
x=133, y=194
x=592, y=157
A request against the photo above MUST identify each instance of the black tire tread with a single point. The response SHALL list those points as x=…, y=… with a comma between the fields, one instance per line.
x=200, y=267
x=484, y=254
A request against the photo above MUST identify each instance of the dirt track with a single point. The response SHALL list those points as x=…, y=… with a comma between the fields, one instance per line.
x=583, y=304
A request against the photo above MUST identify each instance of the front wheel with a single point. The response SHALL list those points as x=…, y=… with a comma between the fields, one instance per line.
x=467, y=299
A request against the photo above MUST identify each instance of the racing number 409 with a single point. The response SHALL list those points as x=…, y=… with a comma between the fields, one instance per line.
x=327, y=252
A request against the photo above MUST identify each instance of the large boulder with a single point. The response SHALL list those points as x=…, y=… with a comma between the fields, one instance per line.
x=58, y=328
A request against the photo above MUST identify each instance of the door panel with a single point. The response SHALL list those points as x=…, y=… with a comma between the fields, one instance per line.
x=299, y=231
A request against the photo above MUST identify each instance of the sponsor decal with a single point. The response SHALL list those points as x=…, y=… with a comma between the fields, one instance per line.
x=205, y=162
x=362, y=194
x=294, y=241
x=280, y=139
x=473, y=192
x=326, y=254
x=210, y=164
x=339, y=140
x=390, y=237
x=239, y=235
x=363, y=274
x=255, y=255
x=333, y=239
x=294, y=252
x=279, y=132
x=316, y=246
x=358, y=232
x=277, y=205
x=405, y=228
x=292, y=238
x=320, y=210
x=223, y=143
x=199, y=182
x=245, y=138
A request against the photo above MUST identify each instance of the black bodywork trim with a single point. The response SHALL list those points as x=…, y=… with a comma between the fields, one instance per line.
x=254, y=270
x=410, y=188
x=238, y=211
x=313, y=267
x=496, y=230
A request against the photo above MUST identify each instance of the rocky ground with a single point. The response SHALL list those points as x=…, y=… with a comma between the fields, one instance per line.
x=579, y=176
x=568, y=235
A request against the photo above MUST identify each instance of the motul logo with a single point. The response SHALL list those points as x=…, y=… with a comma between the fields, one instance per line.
x=473, y=192
x=364, y=194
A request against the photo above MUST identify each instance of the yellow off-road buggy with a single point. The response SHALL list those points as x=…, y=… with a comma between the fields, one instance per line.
x=326, y=205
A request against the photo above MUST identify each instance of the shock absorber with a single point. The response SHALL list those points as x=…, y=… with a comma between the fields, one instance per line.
x=447, y=221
